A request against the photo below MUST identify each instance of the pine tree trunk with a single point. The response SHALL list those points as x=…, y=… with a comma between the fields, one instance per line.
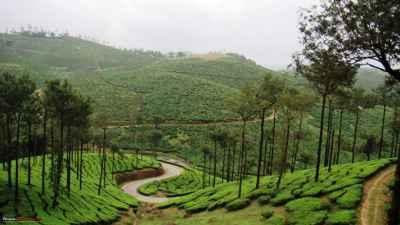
x=266, y=154
x=228, y=166
x=223, y=164
x=233, y=161
x=328, y=134
x=105, y=158
x=339, y=137
x=241, y=159
x=331, y=150
x=353, y=149
x=271, y=159
x=382, y=132
x=260, y=150
x=204, y=169
x=81, y=166
x=44, y=151
x=215, y=163
x=69, y=147
x=16, y=194
x=283, y=163
x=9, y=150
x=297, y=147
x=57, y=175
x=30, y=143
x=321, y=133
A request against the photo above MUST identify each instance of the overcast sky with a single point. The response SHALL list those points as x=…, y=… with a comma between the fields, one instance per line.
x=264, y=30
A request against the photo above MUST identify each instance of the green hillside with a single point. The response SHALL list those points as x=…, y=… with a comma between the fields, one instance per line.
x=83, y=206
x=299, y=200
x=175, y=89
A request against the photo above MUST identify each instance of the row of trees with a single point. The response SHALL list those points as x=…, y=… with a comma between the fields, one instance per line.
x=51, y=122
x=273, y=97
x=339, y=36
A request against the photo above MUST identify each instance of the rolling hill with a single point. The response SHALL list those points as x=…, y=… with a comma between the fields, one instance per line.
x=176, y=89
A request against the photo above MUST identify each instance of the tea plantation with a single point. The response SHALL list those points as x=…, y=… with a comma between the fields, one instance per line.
x=299, y=201
x=83, y=206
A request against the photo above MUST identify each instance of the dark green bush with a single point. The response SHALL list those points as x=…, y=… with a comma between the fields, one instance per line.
x=351, y=198
x=342, y=217
x=267, y=213
x=275, y=220
x=263, y=200
x=238, y=204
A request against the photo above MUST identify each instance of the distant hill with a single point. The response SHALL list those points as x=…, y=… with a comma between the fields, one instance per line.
x=179, y=88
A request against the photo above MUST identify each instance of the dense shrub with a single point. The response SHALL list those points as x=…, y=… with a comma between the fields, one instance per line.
x=263, y=200
x=238, y=204
x=267, y=213
x=351, y=197
x=342, y=217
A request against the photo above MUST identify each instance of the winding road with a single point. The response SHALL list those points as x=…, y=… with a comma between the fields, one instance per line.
x=132, y=187
x=372, y=211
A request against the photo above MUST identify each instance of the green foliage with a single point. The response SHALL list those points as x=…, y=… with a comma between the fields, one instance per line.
x=275, y=220
x=188, y=182
x=306, y=204
x=342, y=217
x=268, y=212
x=263, y=200
x=351, y=197
x=238, y=204
x=83, y=206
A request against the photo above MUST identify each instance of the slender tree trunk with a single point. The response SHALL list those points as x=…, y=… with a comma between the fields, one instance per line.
x=223, y=163
x=339, y=137
x=266, y=154
x=52, y=149
x=69, y=149
x=105, y=158
x=297, y=147
x=353, y=149
x=81, y=166
x=44, y=151
x=30, y=148
x=283, y=163
x=233, y=161
x=209, y=169
x=331, y=150
x=271, y=160
x=16, y=194
x=57, y=175
x=204, y=169
x=321, y=133
x=241, y=160
x=260, y=148
x=9, y=149
x=215, y=162
x=382, y=132
x=228, y=166
x=328, y=134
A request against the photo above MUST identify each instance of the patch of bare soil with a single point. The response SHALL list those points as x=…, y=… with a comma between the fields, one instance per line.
x=372, y=209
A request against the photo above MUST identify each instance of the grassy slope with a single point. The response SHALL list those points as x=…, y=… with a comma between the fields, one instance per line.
x=83, y=206
x=299, y=201
x=190, y=181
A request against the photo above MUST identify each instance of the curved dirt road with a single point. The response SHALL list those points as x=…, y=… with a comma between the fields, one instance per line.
x=133, y=186
x=372, y=211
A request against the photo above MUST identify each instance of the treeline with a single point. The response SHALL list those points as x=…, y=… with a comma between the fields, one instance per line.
x=51, y=123
x=273, y=102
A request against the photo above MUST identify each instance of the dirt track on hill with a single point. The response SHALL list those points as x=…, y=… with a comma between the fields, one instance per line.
x=372, y=209
x=133, y=186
